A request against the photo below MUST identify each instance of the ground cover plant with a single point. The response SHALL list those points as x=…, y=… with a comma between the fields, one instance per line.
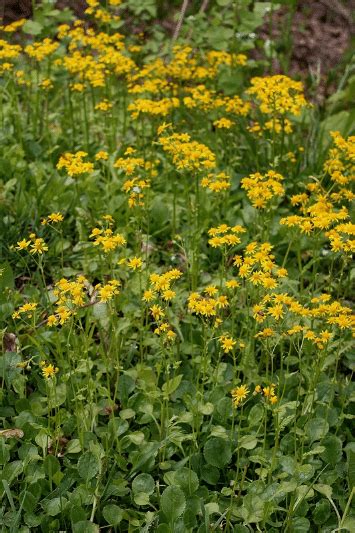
x=176, y=279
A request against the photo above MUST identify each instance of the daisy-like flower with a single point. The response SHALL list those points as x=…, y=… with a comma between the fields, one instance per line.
x=135, y=263
x=239, y=394
x=48, y=370
x=227, y=343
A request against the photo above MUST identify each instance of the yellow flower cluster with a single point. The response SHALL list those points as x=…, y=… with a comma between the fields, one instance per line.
x=165, y=331
x=267, y=392
x=160, y=290
x=14, y=26
x=153, y=107
x=102, y=15
x=340, y=164
x=224, y=235
x=107, y=240
x=275, y=125
x=261, y=189
x=104, y=105
x=92, y=57
x=108, y=291
x=35, y=244
x=278, y=94
x=278, y=306
x=258, y=265
x=74, y=164
x=207, y=306
x=216, y=182
x=186, y=154
x=42, y=49
x=25, y=309
x=136, y=187
x=9, y=51
x=318, y=214
x=160, y=285
x=129, y=164
x=70, y=296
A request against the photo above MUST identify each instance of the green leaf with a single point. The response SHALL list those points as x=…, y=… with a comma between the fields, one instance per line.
x=173, y=502
x=73, y=446
x=255, y=415
x=252, y=510
x=248, y=442
x=349, y=523
x=55, y=506
x=333, y=450
x=217, y=452
x=85, y=526
x=32, y=27
x=300, y=525
x=210, y=474
x=326, y=490
x=351, y=469
x=143, y=483
x=88, y=466
x=112, y=514
x=316, y=428
x=171, y=385
x=141, y=498
x=6, y=276
x=321, y=512
x=187, y=480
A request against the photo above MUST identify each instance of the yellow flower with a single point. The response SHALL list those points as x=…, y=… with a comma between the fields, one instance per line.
x=38, y=247
x=239, y=394
x=148, y=295
x=157, y=312
x=22, y=245
x=102, y=155
x=49, y=370
x=52, y=320
x=227, y=343
x=135, y=263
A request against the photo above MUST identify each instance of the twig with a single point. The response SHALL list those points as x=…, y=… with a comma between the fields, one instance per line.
x=181, y=18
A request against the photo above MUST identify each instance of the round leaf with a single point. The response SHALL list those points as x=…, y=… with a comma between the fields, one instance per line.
x=88, y=466
x=143, y=483
x=173, y=502
x=187, y=480
x=333, y=449
x=217, y=452
x=112, y=514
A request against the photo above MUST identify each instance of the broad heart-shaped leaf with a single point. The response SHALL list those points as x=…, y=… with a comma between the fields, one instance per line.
x=88, y=466
x=173, y=502
x=217, y=452
x=253, y=509
x=316, y=428
x=112, y=514
x=185, y=478
x=32, y=27
x=143, y=483
x=333, y=449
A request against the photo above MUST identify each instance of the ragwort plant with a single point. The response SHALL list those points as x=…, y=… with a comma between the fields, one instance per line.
x=176, y=289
